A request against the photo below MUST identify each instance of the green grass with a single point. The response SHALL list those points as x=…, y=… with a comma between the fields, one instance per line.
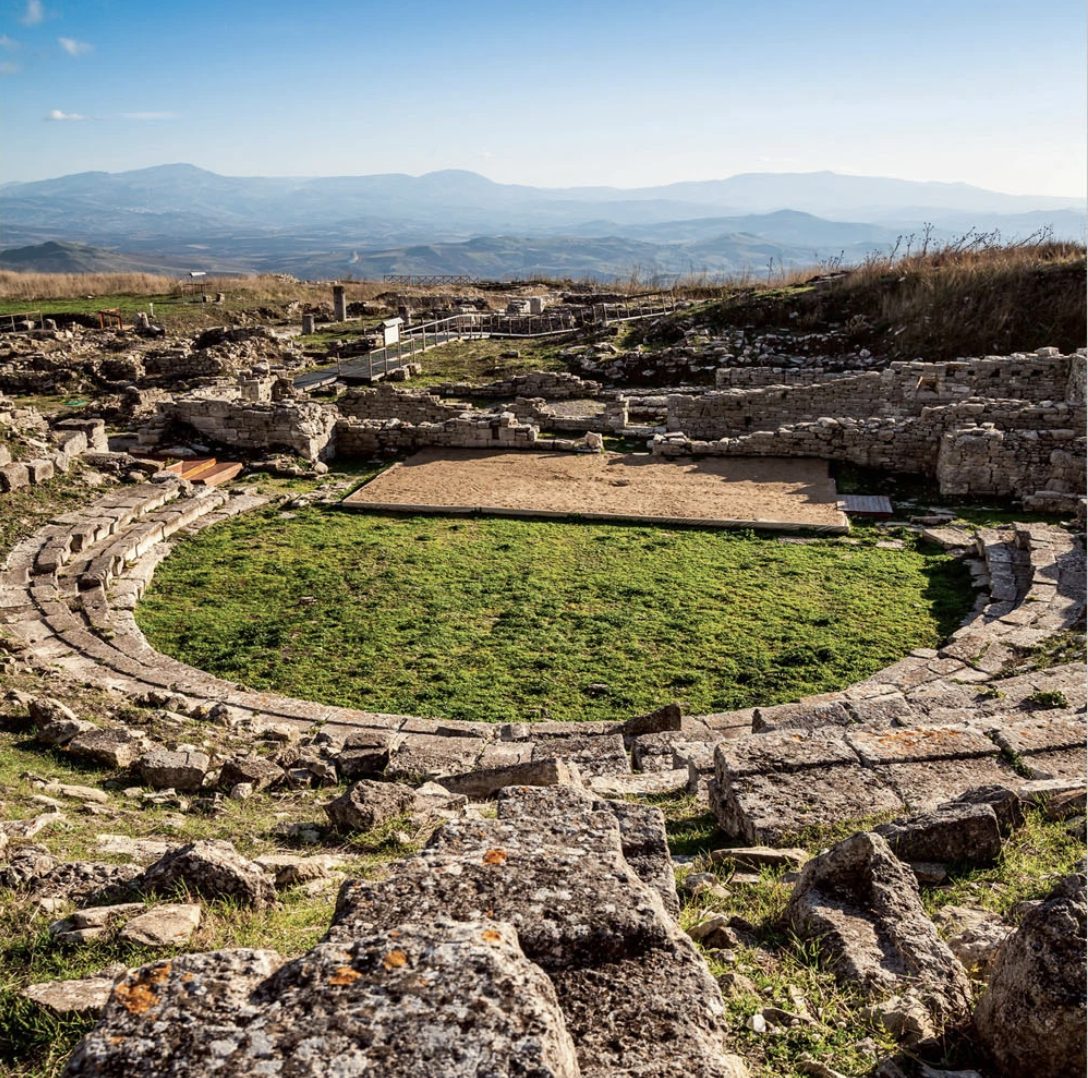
x=503, y=620
x=480, y=362
x=127, y=303
x=1031, y=862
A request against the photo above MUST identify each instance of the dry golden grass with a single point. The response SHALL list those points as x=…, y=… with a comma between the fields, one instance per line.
x=266, y=288
x=38, y=286
x=975, y=296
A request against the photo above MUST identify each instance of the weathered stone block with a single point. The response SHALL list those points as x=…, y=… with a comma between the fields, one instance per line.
x=862, y=904
x=213, y=869
x=256, y=770
x=800, y=717
x=1032, y=1018
x=175, y=770
x=164, y=926
x=429, y=756
x=960, y=833
x=593, y=755
x=772, y=807
x=117, y=747
x=920, y=743
x=486, y=782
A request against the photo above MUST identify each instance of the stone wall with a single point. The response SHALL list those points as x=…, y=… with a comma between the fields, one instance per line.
x=759, y=377
x=298, y=426
x=988, y=460
x=612, y=417
x=386, y=402
x=977, y=447
x=41, y=461
x=1075, y=387
x=902, y=390
x=367, y=438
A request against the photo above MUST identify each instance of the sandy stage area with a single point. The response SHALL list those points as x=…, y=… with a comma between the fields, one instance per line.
x=771, y=492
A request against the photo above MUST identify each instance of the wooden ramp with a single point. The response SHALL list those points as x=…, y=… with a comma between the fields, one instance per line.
x=867, y=505
x=205, y=471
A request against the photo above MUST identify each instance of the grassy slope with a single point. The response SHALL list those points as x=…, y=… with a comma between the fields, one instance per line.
x=504, y=620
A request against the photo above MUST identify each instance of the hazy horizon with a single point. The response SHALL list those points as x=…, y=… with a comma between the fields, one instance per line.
x=612, y=94
x=1081, y=197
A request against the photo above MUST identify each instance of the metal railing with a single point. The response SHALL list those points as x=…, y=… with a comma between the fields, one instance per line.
x=415, y=340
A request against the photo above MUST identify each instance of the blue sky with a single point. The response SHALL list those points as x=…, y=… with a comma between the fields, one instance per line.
x=553, y=94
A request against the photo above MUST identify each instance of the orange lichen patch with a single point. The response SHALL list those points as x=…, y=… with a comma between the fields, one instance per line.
x=491, y=936
x=345, y=975
x=394, y=960
x=136, y=998
x=494, y=857
x=187, y=977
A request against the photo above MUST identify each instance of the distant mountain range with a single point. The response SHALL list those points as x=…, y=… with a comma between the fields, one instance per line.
x=179, y=216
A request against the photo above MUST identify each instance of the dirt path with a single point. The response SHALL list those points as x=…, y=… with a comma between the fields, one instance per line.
x=761, y=491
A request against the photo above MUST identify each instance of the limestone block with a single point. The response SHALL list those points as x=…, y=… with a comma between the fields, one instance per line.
x=863, y=905
x=368, y=804
x=164, y=926
x=87, y=996
x=13, y=476
x=548, y=771
x=428, y=756
x=593, y=755
x=552, y=866
x=117, y=747
x=800, y=716
x=954, y=832
x=1031, y=1019
x=772, y=806
x=39, y=471
x=161, y=769
x=213, y=869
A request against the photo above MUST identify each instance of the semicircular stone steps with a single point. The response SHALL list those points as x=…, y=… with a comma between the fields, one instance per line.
x=69, y=593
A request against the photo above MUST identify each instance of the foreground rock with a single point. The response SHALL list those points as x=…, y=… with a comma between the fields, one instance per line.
x=164, y=926
x=524, y=945
x=369, y=804
x=67, y=998
x=393, y=1003
x=174, y=770
x=977, y=936
x=862, y=903
x=209, y=868
x=1032, y=1018
x=959, y=833
x=636, y=996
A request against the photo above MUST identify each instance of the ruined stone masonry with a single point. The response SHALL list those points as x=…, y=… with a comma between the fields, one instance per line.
x=1005, y=426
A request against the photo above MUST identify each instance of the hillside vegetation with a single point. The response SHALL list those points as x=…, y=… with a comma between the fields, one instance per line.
x=972, y=298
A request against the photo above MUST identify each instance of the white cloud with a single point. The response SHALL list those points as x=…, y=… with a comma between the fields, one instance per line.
x=56, y=114
x=74, y=47
x=8, y=43
x=149, y=115
x=485, y=154
x=35, y=13
x=8, y=68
